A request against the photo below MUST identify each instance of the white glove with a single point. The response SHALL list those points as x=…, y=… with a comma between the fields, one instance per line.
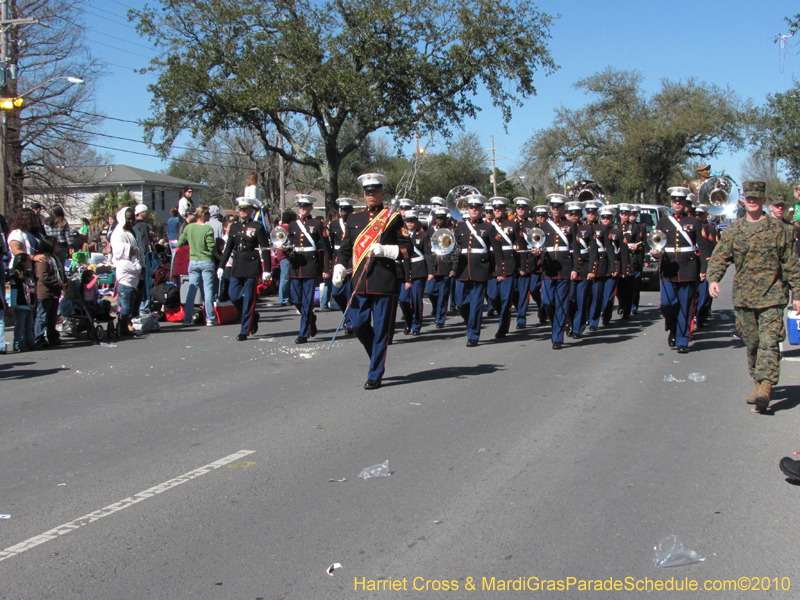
x=386, y=251
x=220, y=273
x=339, y=275
x=266, y=276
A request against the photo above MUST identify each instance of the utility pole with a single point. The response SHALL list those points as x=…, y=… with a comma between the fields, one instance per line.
x=494, y=166
x=281, y=184
x=6, y=76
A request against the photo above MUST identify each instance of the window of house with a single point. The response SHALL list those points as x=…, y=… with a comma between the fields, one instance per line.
x=162, y=200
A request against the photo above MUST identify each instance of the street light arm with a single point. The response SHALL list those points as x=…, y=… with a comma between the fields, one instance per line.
x=72, y=80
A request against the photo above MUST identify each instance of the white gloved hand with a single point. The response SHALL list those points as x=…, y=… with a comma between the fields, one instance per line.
x=339, y=275
x=266, y=276
x=220, y=273
x=386, y=251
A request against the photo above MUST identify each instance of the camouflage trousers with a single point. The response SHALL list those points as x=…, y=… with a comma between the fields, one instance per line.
x=761, y=330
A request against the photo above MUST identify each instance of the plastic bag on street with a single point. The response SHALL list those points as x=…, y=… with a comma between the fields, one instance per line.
x=697, y=377
x=379, y=470
x=669, y=378
x=671, y=553
x=145, y=324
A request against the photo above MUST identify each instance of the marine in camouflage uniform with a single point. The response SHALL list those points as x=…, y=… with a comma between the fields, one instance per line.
x=761, y=247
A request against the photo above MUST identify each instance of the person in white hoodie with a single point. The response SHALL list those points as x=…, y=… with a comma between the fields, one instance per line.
x=124, y=257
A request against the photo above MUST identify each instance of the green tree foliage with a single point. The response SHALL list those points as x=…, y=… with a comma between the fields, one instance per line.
x=776, y=130
x=108, y=204
x=405, y=65
x=636, y=146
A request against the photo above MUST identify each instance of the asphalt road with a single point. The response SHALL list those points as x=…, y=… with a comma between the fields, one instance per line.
x=508, y=461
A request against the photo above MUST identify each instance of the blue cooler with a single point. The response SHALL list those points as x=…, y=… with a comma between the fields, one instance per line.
x=793, y=328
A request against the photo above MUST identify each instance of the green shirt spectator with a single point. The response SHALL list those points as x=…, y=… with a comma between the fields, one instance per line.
x=200, y=238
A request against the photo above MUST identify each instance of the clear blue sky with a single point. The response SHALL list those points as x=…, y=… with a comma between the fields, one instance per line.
x=725, y=43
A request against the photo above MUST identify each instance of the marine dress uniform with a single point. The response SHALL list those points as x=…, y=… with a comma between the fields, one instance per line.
x=439, y=280
x=506, y=234
x=559, y=265
x=525, y=263
x=411, y=297
x=683, y=260
x=480, y=251
x=587, y=269
x=250, y=242
x=371, y=244
x=336, y=229
x=309, y=258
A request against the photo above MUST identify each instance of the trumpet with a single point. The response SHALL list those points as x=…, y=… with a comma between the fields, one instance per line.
x=535, y=237
x=279, y=237
x=657, y=240
x=443, y=244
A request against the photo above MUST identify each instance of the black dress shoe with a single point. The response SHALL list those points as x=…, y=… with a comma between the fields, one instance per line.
x=407, y=330
x=415, y=333
x=241, y=338
x=521, y=325
x=557, y=345
x=671, y=340
x=592, y=328
x=349, y=331
x=499, y=334
x=683, y=349
x=300, y=339
x=440, y=326
x=312, y=329
x=254, y=326
x=472, y=343
x=577, y=336
x=790, y=468
x=372, y=385
x=492, y=312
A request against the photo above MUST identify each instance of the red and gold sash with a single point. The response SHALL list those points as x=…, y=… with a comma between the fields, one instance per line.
x=370, y=235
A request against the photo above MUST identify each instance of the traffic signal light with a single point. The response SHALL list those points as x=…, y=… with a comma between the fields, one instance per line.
x=10, y=103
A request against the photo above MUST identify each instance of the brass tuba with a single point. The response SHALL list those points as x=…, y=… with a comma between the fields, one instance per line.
x=586, y=190
x=721, y=194
x=457, y=198
x=657, y=240
x=279, y=237
x=444, y=245
x=535, y=237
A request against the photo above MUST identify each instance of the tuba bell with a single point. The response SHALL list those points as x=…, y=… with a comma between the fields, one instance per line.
x=444, y=245
x=457, y=198
x=535, y=237
x=279, y=237
x=721, y=194
x=586, y=190
x=657, y=240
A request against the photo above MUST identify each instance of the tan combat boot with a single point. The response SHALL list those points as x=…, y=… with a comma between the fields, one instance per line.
x=751, y=399
x=763, y=396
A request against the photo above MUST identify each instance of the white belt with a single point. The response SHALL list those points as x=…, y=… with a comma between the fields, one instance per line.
x=417, y=259
x=473, y=251
x=524, y=251
x=509, y=248
x=557, y=249
x=296, y=249
x=684, y=249
x=584, y=251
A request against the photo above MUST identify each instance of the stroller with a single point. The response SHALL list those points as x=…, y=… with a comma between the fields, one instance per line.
x=88, y=317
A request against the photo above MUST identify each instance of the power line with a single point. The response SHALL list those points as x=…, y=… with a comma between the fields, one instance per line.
x=118, y=48
x=107, y=19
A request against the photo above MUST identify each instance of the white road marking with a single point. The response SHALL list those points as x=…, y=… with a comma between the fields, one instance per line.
x=787, y=358
x=118, y=506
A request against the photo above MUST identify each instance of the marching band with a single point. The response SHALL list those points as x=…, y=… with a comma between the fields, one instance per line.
x=571, y=258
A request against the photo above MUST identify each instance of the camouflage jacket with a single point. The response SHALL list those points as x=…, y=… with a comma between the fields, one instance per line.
x=766, y=266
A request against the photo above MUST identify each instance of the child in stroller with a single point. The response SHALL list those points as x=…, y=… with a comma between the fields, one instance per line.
x=89, y=310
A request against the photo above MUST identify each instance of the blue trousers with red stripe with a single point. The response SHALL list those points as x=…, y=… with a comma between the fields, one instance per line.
x=677, y=306
x=523, y=291
x=302, y=294
x=242, y=292
x=438, y=290
x=580, y=304
x=371, y=315
x=411, y=304
x=505, y=291
x=469, y=299
x=555, y=300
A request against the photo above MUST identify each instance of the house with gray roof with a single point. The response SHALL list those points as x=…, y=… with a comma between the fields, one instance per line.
x=76, y=187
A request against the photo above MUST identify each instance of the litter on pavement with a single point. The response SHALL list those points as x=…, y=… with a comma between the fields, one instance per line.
x=697, y=377
x=332, y=568
x=671, y=553
x=378, y=470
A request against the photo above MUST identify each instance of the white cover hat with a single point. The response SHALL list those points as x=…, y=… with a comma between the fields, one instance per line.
x=373, y=180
